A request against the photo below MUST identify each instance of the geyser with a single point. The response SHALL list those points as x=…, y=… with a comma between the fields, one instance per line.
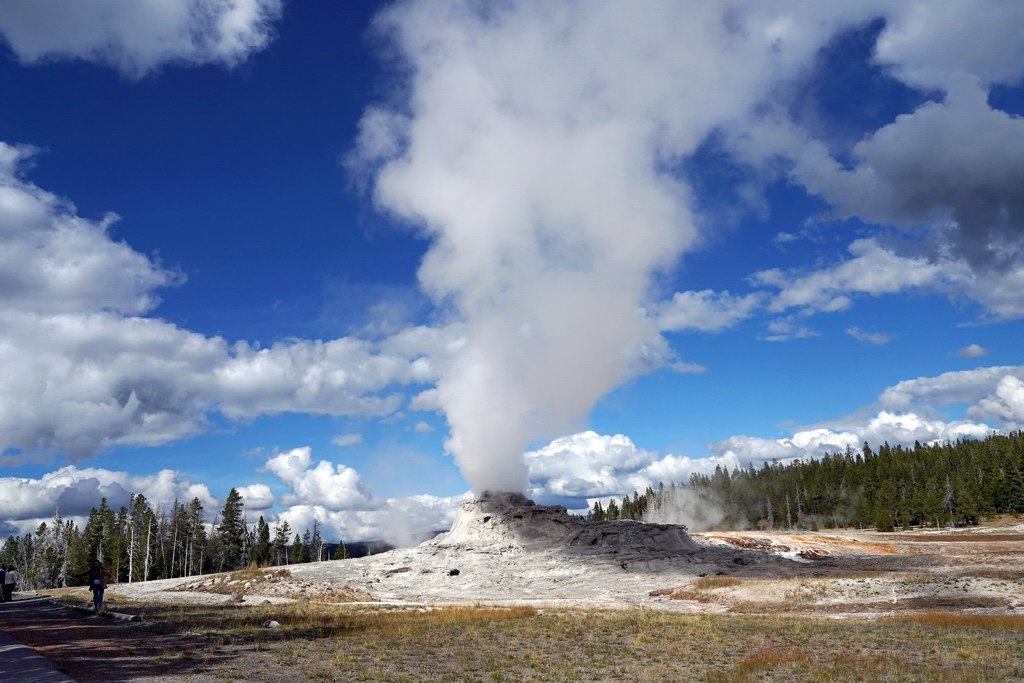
x=532, y=149
x=507, y=519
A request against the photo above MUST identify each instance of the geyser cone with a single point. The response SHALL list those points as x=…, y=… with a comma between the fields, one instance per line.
x=507, y=519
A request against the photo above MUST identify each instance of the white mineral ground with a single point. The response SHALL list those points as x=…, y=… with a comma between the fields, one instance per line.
x=504, y=549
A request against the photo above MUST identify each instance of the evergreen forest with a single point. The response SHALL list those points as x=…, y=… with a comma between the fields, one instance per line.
x=940, y=485
x=138, y=543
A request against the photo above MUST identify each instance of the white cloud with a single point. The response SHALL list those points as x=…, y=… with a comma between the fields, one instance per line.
x=423, y=428
x=705, y=311
x=876, y=270
x=256, y=497
x=425, y=400
x=949, y=388
x=876, y=338
x=72, y=492
x=85, y=369
x=994, y=400
x=337, y=377
x=350, y=439
x=591, y=465
x=953, y=164
x=79, y=383
x=784, y=329
x=972, y=351
x=1006, y=402
x=138, y=36
x=894, y=428
x=55, y=262
x=801, y=445
x=331, y=486
x=536, y=145
x=397, y=520
x=928, y=45
x=873, y=270
x=944, y=173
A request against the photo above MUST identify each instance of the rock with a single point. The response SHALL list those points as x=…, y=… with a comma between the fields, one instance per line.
x=270, y=623
x=502, y=520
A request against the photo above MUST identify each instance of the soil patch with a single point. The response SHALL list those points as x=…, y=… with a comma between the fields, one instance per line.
x=96, y=649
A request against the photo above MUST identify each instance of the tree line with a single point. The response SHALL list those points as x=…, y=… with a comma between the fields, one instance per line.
x=140, y=543
x=887, y=487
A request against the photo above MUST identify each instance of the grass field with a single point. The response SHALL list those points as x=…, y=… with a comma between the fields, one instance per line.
x=319, y=642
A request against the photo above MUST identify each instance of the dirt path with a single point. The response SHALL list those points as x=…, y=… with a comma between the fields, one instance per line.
x=95, y=649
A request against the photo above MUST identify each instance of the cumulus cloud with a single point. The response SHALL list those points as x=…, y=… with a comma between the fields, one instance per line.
x=73, y=491
x=400, y=521
x=951, y=164
x=994, y=400
x=930, y=46
x=336, y=377
x=56, y=262
x=972, y=351
x=949, y=388
x=894, y=428
x=256, y=497
x=337, y=498
x=1005, y=402
x=588, y=465
x=801, y=445
x=138, y=36
x=946, y=173
x=326, y=484
x=86, y=368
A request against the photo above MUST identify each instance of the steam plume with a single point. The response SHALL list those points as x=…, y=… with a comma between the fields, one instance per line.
x=538, y=145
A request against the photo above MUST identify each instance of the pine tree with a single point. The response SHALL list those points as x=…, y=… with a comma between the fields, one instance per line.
x=261, y=548
x=231, y=532
x=195, y=541
x=297, y=551
x=280, y=545
x=307, y=546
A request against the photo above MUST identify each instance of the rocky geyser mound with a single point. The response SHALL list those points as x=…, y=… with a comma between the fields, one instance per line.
x=512, y=519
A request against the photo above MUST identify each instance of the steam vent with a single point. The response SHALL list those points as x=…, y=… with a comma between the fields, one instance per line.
x=511, y=519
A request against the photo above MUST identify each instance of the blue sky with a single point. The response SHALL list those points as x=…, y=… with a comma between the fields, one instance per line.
x=357, y=259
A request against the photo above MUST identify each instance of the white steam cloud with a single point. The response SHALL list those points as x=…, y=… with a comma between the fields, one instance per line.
x=688, y=507
x=538, y=147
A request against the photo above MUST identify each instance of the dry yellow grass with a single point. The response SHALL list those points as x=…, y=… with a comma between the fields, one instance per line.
x=999, y=622
x=485, y=643
x=713, y=582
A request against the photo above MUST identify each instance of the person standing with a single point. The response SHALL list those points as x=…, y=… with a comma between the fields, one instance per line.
x=10, y=582
x=98, y=576
x=3, y=573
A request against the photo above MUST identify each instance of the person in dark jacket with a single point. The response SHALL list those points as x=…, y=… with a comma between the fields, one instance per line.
x=10, y=583
x=3, y=573
x=98, y=576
